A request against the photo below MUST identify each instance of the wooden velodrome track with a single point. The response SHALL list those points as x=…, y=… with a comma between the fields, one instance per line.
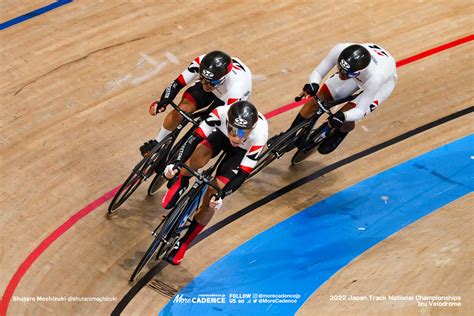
x=75, y=87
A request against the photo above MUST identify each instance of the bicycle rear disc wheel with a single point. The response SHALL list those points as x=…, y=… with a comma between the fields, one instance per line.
x=282, y=145
x=301, y=155
x=316, y=137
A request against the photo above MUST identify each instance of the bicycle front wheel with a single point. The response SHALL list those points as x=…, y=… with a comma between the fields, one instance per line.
x=146, y=257
x=126, y=190
x=142, y=171
x=165, y=239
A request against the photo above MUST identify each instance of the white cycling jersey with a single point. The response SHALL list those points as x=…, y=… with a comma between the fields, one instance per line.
x=237, y=84
x=377, y=81
x=254, y=143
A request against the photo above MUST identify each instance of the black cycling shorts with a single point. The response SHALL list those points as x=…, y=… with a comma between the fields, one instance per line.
x=229, y=166
x=202, y=99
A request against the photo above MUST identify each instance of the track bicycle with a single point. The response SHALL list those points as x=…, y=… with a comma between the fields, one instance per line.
x=168, y=232
x=156, y=161
x=305, y=137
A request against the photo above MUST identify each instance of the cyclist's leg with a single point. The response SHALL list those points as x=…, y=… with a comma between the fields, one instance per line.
x=170, y=122
x=194, y=98
x=333, y=141
x=226, y=170
x=200, y=220
x=311, y=106
x=177, y=254
x=305, y=113
x=333, y=89
x=213, y=144
x=199, y=158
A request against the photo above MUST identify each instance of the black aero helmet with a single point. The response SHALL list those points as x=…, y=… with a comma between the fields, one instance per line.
x=241, y=118
x=214, y=66
x=352, y=59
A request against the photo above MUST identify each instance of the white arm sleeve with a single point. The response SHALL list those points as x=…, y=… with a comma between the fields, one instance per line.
x=192, y=72
x=326, y=64
x=211, y=122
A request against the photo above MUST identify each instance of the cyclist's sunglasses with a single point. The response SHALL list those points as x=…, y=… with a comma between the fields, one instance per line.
x=350, y=74
x=213, y=83
x=239, y=132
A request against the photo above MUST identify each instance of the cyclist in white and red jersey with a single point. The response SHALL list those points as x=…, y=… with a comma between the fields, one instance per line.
x=217, y=79
x=360, y=66
x=241, y=132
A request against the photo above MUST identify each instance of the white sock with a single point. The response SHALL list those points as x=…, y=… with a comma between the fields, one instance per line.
x=162, y=134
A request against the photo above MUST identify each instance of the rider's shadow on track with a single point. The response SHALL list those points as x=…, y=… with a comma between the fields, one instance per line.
x=282, y=173
x=142, y=208
x=139, y=216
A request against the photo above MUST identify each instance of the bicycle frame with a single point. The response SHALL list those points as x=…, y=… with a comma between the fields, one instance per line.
x=197, y=191
x=193, y=118
x=187, y=118
x=323, y=107
x=174, y=147
x=196, y=194
x=157, y=159
x=166, y=234
x=296, y=136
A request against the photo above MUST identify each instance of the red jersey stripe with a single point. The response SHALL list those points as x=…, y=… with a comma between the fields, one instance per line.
x=231, y=100
x=216, y=113
x=245, y=169
x=200, y=133
x=255, y=148
x=181, y=80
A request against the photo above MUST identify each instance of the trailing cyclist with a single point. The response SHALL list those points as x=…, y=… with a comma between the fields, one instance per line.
x=241, y=132
x=218, y=80
x=359, y=66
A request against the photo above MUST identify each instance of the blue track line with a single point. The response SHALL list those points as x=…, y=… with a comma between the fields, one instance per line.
x=34, y=13
x=298, y=255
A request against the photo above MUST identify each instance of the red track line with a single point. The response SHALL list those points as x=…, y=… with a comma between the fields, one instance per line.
x=435, y=50
x=46, y=243
x=104, y=198
x=284, y=109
